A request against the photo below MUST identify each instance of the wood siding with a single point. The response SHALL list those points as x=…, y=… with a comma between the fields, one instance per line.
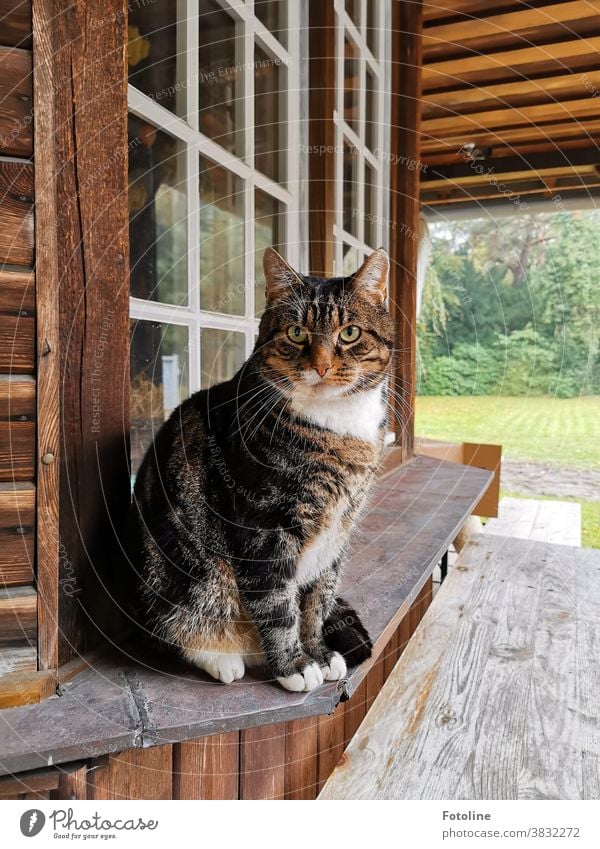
x=18, y=596
x=286, y=760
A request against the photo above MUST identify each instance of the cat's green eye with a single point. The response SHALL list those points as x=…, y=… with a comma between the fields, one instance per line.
x=350, y=334
x=297, y=334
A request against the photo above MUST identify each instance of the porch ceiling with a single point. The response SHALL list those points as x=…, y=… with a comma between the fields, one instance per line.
x=511, y=102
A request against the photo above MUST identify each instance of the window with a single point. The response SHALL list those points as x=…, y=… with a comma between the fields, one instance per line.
x=362, y=130
x=215, y=106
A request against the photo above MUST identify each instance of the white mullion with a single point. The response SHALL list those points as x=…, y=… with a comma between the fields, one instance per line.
x=351, y=134
x=146, y=108
x=193, y=63
x=239, y=8
x=269, y=44
x=292, y=141
x=351, y=240
x=221, y=321
x=249, y=240
x=157, y=311
x=270, y=187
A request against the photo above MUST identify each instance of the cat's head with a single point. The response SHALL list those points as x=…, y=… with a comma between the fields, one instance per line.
x=325, y=337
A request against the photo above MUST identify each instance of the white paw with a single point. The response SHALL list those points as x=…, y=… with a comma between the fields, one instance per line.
x=223, y=667
x=335, y=669
x=310, y=677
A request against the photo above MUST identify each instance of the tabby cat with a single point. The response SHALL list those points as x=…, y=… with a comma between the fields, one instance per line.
x=244, y=503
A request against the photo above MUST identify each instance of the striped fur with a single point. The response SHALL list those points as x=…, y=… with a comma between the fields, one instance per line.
x=246, y=500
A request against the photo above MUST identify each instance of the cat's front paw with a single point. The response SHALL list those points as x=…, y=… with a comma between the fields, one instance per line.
x=307, y=678
x=224, y=667
x=335, y=668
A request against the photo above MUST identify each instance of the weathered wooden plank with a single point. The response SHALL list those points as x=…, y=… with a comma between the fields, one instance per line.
x=17, y=322
x=73, y=782
x=17, y=505
x=18, y=658
x=15, y=29
x=207, y=768
x=16, y=212
x=16, y=102
x=134, y=774
x=17, y=428
x=479, y=706
x=301, y=758
x=545, y=521
x=404, y=210
x=331, y=743
x=34, y=781
x=262, y=762
x=18, y=615
x=356, y=710
x=25, y=688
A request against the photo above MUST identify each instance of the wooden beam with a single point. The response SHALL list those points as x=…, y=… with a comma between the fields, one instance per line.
x=515, y=94
x=448, y=73
x=534, y=163
x=82, y=53
x=508, y=118
x=321, y=133
x=18, y=615
x=512, y=22
x=16, y=23
x=17, y=427
x=588, y=131
x=489, y=172
x=514, y=194
x=17, y=505
x=404, y=206
x=440, y=9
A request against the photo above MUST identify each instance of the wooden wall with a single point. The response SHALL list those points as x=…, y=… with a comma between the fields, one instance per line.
x=18, y=597
x=283, y=761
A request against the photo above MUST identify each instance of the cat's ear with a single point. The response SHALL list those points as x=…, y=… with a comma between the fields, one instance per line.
x=279, y=276
x=370, y=281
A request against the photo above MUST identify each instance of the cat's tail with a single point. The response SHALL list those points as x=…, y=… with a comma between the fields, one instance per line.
x=344, y=632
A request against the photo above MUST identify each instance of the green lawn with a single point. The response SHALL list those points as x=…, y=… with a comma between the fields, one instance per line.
x=561, y=431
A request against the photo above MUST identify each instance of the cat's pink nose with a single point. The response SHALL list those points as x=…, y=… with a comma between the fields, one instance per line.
x=321, y=370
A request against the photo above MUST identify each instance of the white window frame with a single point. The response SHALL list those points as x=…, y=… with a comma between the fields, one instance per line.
x=196, y=144
x=378, y=64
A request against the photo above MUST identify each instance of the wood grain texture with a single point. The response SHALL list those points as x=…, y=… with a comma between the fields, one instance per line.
x=479, y=706
x=207, y=768
x=47, y=223
x=15, y=26
x=17, y=322
x=82, y=53
x=546, y=521
x=34, y=781
x=16, y=102
x=262, y=762
x=17, y=506
x=18, y=657
x=72, y=782
x=301, y=758
x=404, y=209
x=331, y=731
x=322, y=134
x=18, y=615
x=25, y=688
x=134, y=774
x=16, y=212
x=17, y=428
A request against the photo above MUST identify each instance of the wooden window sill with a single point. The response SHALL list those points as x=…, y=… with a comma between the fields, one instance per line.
x=415, y=513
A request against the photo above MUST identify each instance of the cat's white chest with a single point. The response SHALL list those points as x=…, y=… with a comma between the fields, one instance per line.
x=360, y=415
x=323, y=550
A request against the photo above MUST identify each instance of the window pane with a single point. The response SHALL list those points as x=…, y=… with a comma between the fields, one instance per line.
x=351, y=261
x=267, y=118
x=371, y=222
x=157, y=215
x=350, y=211
x=155, y=66
x=159, y=380
x=267, y=233
x=372, y=24
x=219, y=73
x=351, y=84
x=371, y=111
x=272, y=13
x=353, y=9
x=221, y=240
x=222, y=352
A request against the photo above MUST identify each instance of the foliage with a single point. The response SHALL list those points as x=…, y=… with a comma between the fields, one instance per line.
x=512, y=307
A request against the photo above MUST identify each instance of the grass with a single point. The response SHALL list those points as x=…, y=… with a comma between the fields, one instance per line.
x=555, y=430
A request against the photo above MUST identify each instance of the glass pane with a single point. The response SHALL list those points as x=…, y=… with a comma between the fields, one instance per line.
x=371, y=111
x=221, y=240
x=222, y=352
x=272, y=13
x=353, y=9
x=350, y=211
x=351, y=83
x=219, y=73
x=155, y=66
x=372, y=24
x=157, y=215
x=267, y=118
x=371, y=216
x=351, y=261
x=267, y=233
x=159, y=380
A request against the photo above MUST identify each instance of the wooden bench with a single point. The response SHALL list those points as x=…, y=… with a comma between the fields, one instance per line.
x=497, y=695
